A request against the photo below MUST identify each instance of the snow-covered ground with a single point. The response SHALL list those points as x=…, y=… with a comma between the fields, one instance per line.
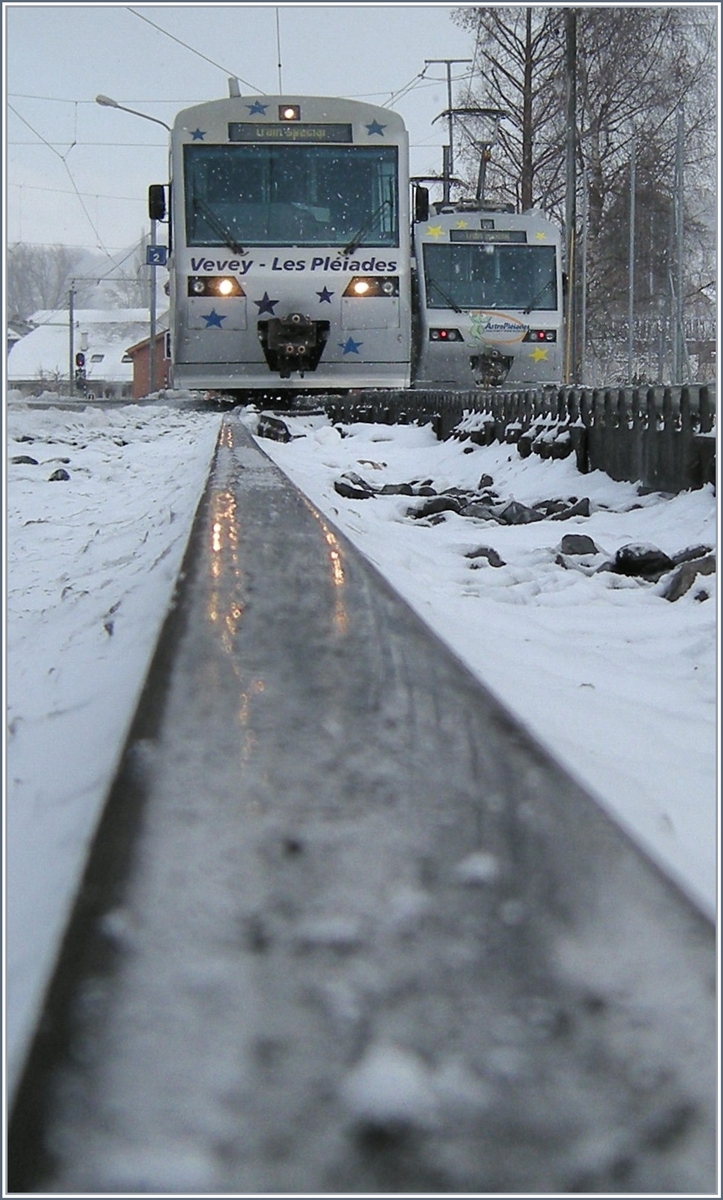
x=617, y=681
x=91, y=564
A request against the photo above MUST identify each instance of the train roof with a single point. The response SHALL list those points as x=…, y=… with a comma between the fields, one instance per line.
x=313, y=108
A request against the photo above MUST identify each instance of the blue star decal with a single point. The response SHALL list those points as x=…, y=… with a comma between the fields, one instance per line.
x=350, y=346
x=375, y=127
x=265, y=305
x=214, y=319
x=325, y=295
x=198, y=134
x=257, y=107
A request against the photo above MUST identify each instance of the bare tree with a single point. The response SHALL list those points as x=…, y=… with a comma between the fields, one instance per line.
x=40, y=277
x=637, y=68
x=130, y=286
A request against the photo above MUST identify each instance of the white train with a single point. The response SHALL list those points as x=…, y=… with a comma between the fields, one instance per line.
x=289, y=254
x=296, y=266
x=488, y=298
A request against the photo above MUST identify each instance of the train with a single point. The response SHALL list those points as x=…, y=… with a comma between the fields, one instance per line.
x=303, y=258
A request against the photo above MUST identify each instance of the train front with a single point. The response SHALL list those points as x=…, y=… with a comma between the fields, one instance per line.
x=489, y=299
x=290, y=263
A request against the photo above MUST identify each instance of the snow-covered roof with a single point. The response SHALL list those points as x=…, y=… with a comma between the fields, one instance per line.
x=44, y=353
x=89, y=316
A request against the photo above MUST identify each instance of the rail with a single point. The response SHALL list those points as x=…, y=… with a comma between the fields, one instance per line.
x=661, y=437
x=345, y=927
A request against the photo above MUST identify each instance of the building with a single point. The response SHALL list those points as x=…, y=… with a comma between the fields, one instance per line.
x=40, y=361
x=141, y=358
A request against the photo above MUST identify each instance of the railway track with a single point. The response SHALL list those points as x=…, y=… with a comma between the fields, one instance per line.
x=345, y=927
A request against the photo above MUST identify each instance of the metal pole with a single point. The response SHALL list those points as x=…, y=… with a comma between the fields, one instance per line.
x=152, y=361
x=71, y=338
x=450, y=118
x=631, y=262
x=679, y=232
x=583, y=282
x=570, y=187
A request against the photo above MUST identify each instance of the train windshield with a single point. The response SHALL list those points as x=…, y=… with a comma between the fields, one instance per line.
x=295, y=195
x=480, y=275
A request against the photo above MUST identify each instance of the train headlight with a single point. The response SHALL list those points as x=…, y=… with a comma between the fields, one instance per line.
x=214, y=285
x=289, y=112
x=373, y=285
x=445, y=335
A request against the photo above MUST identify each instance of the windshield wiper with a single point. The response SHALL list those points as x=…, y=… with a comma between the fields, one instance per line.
x=356, y=241
x=445, y=296
x=539, y=296
x=217, y=225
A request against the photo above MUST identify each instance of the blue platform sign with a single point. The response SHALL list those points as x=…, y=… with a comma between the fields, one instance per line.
x=156, y=256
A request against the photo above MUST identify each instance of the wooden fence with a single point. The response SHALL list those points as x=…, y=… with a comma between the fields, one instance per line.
x=661, y=437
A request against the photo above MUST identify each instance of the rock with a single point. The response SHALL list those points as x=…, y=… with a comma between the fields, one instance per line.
x=691, y=553
x=396, y=489
x=643, y=560
x=515, y=513
x=486, y=481
x=580, y=509
x=482, y=511
x=57, y=475
x=353, y=487
x=550, y=507
x=273, y=428
x=578, y=543
x=24, y=460
x=488, y=553
x=684, y=576
x=435, y=504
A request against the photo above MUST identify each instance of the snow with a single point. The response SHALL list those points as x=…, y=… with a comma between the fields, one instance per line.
x=91, y=566
x=618, y=682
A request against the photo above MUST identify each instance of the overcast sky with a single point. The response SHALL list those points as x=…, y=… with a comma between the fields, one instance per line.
x=60, y=56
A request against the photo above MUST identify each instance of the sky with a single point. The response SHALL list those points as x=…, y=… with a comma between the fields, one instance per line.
x=59, y=57
x=616, y=681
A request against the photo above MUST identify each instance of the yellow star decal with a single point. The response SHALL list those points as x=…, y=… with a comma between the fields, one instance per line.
x=538, y=354
x=435, y=230
x=541, y=237
x=461, y=224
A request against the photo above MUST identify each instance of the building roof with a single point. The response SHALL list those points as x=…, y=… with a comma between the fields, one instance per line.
x=43, y=354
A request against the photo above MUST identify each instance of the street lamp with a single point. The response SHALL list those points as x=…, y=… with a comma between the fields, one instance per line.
x=108, y=102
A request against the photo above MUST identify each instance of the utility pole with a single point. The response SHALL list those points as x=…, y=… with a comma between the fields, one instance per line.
x=631, y=261
x=449, y=162
x=679, y=338
x=152, y=298
x=71, y=337
x=570, y=190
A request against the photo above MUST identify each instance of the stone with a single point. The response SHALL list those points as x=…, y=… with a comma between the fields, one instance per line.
x=24, y=460
x=515, y=513
x=642, y=560
x=435, y=504
x=482, y=511
x=684, y=576
x=57, y=475
x=396, y=489
x=578, y=543
x=486, y=481
x=581, y=508
x=488, y=553
x=690, y=553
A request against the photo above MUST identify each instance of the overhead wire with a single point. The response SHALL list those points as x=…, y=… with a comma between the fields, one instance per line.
x=193, y=50
x=91, y=222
